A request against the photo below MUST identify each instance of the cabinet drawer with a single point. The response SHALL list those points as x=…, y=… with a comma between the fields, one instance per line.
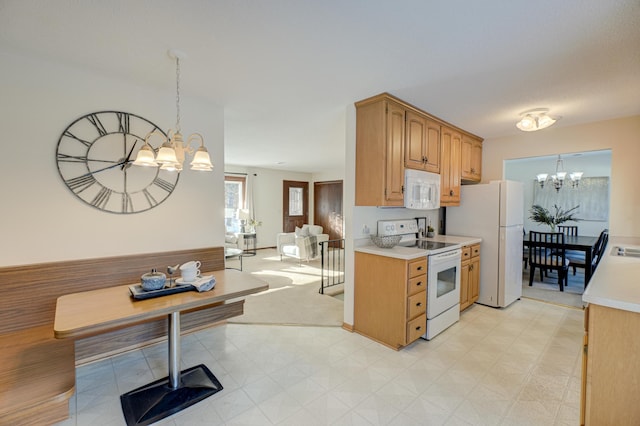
x=466, y=252
x=475, y=250
x=418, y=267
x=416, y=304
x=416, y=284
x=416, y=328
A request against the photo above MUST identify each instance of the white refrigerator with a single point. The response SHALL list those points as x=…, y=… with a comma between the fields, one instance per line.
x=495, y=213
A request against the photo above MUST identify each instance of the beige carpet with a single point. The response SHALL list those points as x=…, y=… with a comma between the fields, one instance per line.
x=292, y=298
x=549, y=291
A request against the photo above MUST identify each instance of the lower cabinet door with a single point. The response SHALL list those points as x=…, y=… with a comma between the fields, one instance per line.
x=416, y=328
x=417, y=304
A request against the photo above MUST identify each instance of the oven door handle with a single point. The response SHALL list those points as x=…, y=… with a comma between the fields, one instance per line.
x=446, y=255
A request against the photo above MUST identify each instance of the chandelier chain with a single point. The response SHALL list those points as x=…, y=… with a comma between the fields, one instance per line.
x=178, y=94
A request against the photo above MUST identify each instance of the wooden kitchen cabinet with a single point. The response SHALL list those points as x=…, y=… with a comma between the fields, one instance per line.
x=380, y=141
x=390, y=299
x=469, y=276
x=611, y=367
x=450, y=140
x=471, y=159
x=392, y=135
x=422, y=147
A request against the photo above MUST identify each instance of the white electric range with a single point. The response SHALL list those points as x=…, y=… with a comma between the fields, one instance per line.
x=443, y=273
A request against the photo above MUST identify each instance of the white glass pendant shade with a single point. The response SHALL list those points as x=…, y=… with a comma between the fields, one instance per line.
x=145, y=157
x=542, y=177
x=576, y=176
x=171, y=167
x=561, y=175
x=201, y=160
x=166, y=154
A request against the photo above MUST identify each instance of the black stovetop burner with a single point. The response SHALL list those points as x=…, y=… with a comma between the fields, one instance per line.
x=425, y=244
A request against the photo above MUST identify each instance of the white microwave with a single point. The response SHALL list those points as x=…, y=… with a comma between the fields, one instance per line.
x=421, y=190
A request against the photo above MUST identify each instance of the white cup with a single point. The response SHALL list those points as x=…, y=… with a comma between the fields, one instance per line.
x=189, y=275
x=193, y=264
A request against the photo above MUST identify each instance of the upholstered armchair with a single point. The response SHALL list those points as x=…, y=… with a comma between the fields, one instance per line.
x=302, y=244
x=234, y=240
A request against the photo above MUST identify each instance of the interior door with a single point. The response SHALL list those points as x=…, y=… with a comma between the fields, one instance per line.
x=327, y=208
x=295, y=205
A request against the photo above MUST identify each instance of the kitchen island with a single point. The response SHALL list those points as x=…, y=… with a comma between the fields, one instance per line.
x=611, y=364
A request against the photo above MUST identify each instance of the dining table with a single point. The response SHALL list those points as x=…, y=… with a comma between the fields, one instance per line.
x=583, y=243
x=94, y=312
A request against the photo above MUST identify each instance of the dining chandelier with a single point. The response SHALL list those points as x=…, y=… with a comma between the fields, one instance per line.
x=535, y=119
x=559, y=177
x=171, y=154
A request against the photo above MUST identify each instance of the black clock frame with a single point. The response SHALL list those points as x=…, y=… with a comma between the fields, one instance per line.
x=119, y=122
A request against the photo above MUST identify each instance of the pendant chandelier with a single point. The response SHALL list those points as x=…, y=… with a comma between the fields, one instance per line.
x=171, y=154
x=559, y=177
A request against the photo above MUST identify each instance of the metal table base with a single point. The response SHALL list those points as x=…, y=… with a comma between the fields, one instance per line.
x=167, y=396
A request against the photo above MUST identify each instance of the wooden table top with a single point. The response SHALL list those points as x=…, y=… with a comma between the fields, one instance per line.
x=92, y=312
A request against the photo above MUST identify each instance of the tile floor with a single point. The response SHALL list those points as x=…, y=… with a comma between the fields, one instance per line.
x=515, y=366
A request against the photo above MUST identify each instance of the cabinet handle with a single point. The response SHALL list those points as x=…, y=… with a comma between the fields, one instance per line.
x=451, y=192
x=419, y=304
x=418, y=327
x=419, y=268
x=419, y=283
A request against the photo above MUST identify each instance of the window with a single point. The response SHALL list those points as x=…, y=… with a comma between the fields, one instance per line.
x=234, y=193
x=591, y=194
x=296, y=201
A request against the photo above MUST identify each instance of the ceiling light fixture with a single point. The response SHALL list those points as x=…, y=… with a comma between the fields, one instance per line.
x=535, y=119
x=558, y=178
x=171, y=154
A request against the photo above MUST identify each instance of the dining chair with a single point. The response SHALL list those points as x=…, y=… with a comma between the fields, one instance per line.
x=568, y=230
x=577, y=260
x=547, y=252
x=525, y=251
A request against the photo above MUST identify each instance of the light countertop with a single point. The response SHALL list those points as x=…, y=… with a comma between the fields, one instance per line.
x=409, y=253
x=616, y=281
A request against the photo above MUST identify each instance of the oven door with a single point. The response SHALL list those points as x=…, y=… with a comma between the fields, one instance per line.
x=443, y=283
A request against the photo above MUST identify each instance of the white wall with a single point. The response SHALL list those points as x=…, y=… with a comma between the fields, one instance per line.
x=593, y=164
x=267, y=198
x=41, y=220
x=622, y=136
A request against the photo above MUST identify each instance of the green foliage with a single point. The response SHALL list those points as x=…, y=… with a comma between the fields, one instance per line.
x=541, y=215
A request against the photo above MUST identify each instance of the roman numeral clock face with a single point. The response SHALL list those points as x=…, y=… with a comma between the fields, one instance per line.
x=95, y=155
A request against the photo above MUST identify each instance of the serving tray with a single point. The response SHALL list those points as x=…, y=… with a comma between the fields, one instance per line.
x=138, y=293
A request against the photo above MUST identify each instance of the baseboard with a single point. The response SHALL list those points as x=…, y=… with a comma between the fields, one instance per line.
x=348, y=327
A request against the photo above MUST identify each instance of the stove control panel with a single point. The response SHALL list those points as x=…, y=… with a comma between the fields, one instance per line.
x=397, y=227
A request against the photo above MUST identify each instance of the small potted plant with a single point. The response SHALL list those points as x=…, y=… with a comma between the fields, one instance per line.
x=430, y=232
x=541, y=215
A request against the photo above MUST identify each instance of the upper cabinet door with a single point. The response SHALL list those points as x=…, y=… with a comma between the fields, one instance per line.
x=422, y=148
x=394, y=176
x=415, y=152
x=450, y=170
x=471, y=164
x=432, y=163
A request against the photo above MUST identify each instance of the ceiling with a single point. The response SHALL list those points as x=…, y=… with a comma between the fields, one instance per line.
x=286, y=70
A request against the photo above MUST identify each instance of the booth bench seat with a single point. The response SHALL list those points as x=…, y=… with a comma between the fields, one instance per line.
x=37, y=371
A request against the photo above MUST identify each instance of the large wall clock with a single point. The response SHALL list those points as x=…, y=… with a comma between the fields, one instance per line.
x=95, y=155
